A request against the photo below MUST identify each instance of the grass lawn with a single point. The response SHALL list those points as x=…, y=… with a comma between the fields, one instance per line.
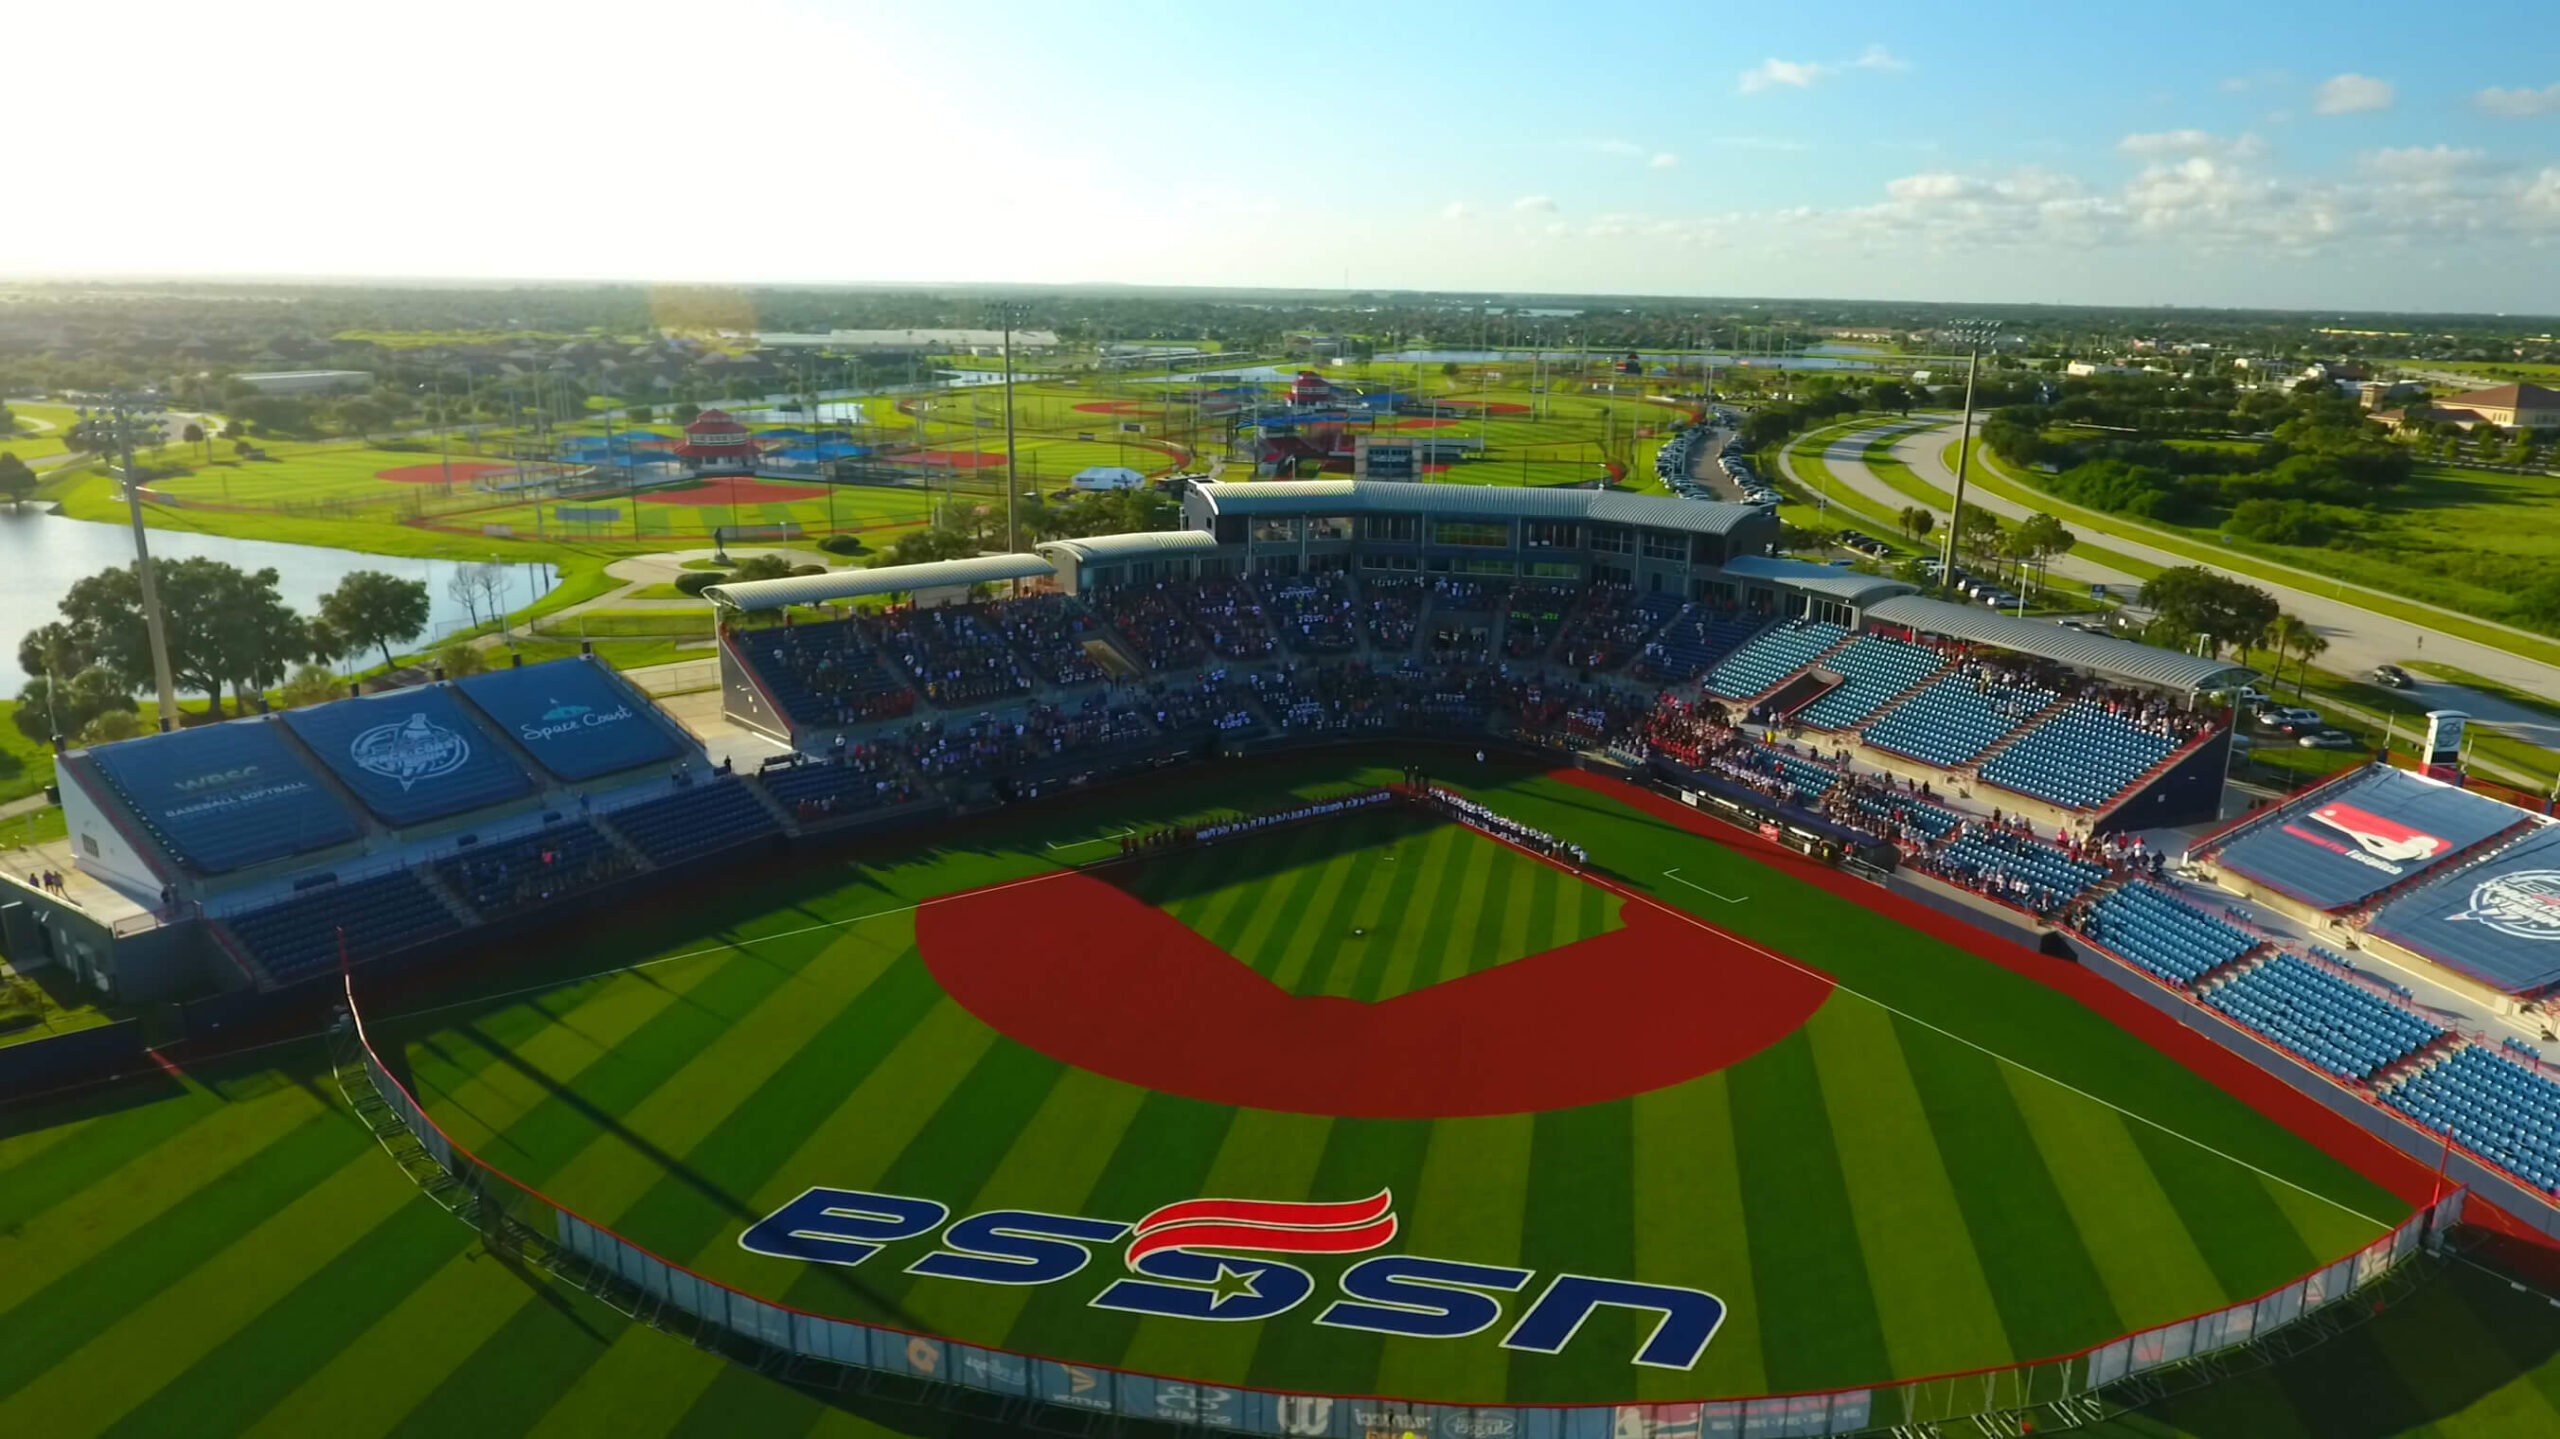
x=630, y=623
x=40, y=1007
x=26, y=765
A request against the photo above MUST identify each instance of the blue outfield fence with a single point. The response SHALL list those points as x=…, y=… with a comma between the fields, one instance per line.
x=608, y=1260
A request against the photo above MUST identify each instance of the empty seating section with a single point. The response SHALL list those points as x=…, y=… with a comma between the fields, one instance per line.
x=299, y=937
x=1771, y=657
x=824, y=674
x=2163, y=933
x=1050, y=631
x=1955, y=719
x=2321, y=1017
x=225, y=797
x=2494, y=1107
x=1873, y=669
x=955, y=657
x=696, y=819
x=512, y=874
x=2081, y=758
x=1692, y=643
x=2010, y=866
x=1315, y=615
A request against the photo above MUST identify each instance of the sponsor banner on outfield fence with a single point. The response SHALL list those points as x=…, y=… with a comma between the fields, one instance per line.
x=1072, y=1386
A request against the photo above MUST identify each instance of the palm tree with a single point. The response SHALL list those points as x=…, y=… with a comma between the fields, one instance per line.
x=2290, y=634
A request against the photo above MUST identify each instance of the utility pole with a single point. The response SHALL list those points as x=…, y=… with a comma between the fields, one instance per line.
x=123, y=414
x=1975, y=334
x=1012, y=484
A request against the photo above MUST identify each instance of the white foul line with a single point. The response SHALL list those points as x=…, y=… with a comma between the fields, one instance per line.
x=1674, y=875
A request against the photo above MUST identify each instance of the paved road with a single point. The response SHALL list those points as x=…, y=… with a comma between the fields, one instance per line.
x=2358, y=638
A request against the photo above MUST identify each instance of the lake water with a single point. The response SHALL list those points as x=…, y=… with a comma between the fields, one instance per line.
x=42, y=555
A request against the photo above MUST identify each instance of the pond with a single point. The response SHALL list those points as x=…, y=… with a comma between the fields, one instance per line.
x=42, y=555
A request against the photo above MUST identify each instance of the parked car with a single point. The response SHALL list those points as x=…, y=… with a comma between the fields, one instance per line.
x=2329, y=739
x=2296, y=717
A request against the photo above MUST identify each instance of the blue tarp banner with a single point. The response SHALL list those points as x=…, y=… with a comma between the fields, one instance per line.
x=2359, y=838
x=226, y=796
x=578, y=721
x=2498, y=921
x=411, y=755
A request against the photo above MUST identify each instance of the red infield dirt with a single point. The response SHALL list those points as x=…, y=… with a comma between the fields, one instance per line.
x=1491, y=407
x=1423, y=422
x=735, y=490
x=2368, y=1154
x=433, y=474
x=1117, y=407
x=1114, y=985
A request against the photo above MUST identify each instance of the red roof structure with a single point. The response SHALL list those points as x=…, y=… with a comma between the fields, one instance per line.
x=716, y=435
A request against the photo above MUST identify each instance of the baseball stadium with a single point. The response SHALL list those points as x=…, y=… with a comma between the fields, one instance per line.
x=1382, y=958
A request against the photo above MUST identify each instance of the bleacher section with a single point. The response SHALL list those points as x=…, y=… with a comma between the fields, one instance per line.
x=2164, y=934
x=2009, y=866
x=2321, y=1017
x=1050, y=631
x=2496, y=919
x=1952, y=721
x=824, y=674
x=299, y=937
x=2494, y=1107
x=224, y=797
x=1771, y=657
x=411, y=755
x=1694, y=642
x=696, y=819
x=1873, y=670
x=574, y=716
x=2347, y=842
x=952, y=655
x=1924, y=820
x=1314, y=615
x=520, y=873
x=822, y=789
x=2082, y=758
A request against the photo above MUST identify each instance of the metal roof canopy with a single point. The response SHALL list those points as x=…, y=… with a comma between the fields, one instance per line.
x=749, y=596
x=2098, y=654
x=1829, y=581
x=1141, y=543
x=1371, y=497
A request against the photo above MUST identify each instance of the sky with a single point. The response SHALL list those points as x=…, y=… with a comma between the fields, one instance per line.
x=2344, y=156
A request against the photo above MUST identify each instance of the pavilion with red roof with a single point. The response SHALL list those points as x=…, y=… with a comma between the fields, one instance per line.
x=715, y=440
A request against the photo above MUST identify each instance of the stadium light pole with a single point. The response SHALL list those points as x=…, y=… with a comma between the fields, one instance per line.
x=1975, y=334
x=122, y=415
x=1008, y=313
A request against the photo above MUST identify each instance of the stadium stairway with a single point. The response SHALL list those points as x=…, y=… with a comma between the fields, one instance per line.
x=783, y=817
x=2025, y=727
x=463, y=913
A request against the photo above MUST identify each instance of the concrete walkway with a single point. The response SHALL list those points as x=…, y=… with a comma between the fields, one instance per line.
x=2359, y=639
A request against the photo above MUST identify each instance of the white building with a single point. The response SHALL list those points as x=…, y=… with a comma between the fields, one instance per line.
x=309, y=382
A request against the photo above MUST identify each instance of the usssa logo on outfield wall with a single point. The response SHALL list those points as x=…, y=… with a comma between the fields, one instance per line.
x=1212, y=1260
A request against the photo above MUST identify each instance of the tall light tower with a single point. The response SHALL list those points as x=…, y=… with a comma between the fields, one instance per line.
x=1975, y=334
x=115, y=423
x=1008, y=313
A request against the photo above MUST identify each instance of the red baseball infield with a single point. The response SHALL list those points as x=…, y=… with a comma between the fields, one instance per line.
x=1490, y=407
x=735, y=490
x=2335, y=1135
x=434, y=474
x=1114, y=985
x=950, y=459
x=1117, y=407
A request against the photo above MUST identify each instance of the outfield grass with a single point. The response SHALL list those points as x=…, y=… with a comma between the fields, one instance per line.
x=1871, y=1196
x=26, y=765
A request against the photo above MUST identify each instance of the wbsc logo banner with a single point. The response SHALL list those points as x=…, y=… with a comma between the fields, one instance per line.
x=1227, y=1261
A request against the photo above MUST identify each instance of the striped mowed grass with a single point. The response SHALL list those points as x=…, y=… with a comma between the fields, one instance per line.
x=1873, y=1197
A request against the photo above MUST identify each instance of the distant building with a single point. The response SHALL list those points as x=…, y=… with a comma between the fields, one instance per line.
x=2375, y=394
x=309, y=382
x=919, y=342
x=2509, y=406
x=715, y=440
x=2081, y=369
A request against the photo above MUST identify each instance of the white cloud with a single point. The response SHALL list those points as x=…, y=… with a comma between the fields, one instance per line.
x=1800, y=74
x=1535, y=205
x=2425, y=162
x=2543, y=195
x=2352, y=94
x=1876, y=57
x=1664, y=160
x=1457, y=210
x=2189, y=142
x=2521, y=103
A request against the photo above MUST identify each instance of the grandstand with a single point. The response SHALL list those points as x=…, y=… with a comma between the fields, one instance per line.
x=2081, y=759
x=1771, y=657
x=2492, y=1106
x=1873, y=669
x=2164, y=934
x=2344, y=1029
x=1953, y=721
x=2365, y=835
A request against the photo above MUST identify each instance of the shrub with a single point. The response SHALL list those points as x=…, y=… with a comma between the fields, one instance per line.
x=842, y=545
x=694, y=582
x=808, y=569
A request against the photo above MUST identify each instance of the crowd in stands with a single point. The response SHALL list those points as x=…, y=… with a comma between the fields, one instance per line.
x=851, y=779
x=1033, y=735
x=1156, y=619
x=1208, y=703
x=1537, y=613
x=1049, y=631
x=827, y=673
x=1394, y=612
x=517, y=874
x=1612, y=625
x=955, y=657
x=2011, y=865
x=1316, y=615
x=1231, y=618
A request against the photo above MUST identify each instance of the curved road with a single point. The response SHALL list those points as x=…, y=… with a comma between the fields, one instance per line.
x=2358, y=638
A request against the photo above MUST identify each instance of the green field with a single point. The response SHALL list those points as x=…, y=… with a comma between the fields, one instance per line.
x=1871, y=1196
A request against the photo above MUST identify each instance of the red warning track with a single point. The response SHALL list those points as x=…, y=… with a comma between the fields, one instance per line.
x=735, y=490
x=1490, y=407
x=463, y=470
x=1114, y=985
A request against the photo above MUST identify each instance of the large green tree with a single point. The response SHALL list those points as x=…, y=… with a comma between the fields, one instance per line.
x=226, y=626
x=65, y=705
x=373, y=610
x=16, y=480
x=2197, y=601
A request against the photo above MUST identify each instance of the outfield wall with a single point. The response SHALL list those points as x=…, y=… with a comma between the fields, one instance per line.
x=668, y=1295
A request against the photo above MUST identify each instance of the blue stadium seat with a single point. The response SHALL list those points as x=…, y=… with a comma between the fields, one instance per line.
x=2340, y=1027
x=2494, y=1107
x=534, y=869
x=1873, y=669
x=1952, y=721
x=2082, y=758
x=824, y=674
x=1771, y=656
x=298, y=937
x=2012, y=866
x=1694, y=641
x=696, y=819
x=2164, y=934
